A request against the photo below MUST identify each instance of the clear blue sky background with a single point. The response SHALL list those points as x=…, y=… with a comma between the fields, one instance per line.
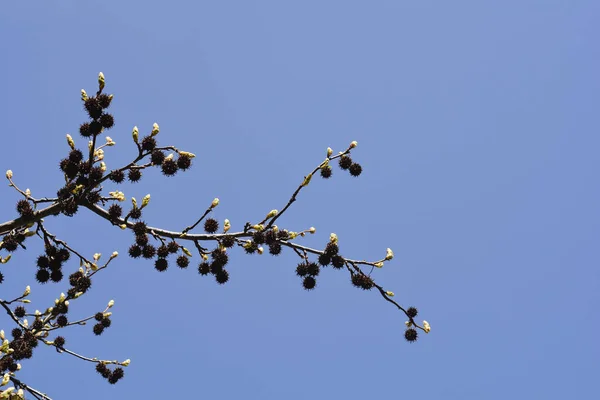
x=477, y=125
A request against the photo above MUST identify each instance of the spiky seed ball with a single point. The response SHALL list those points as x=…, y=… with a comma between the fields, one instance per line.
x=84, y=284
x=107, y=121
x=184, y=162
x=63, y=254
x=135, y=251
x=139, y=228
x=275, y=248
x=362, y=281
x=104, y=100
x=283, y=235
x=106, y=322
x=59, y=341
x=345, y=162
x=56, y=276
x=84, y=130
x=337, y=261
x=204, y=268
x=135, y=213
x=61, y=308
x=115, y=211
x=313, y=269
x=42, y=261
x=220, y=257
x=62, y=320
x=65, y=192
x=70, y=208
x=157, y=157
x=98, y=329
x=148, y=143
x=183, y=261
x=95, y=128
x=148, y=251
x=70, y=168
x=75, y=155
x=412, y=312
x=173, y=247
x=270, y=237
x=37, y=324
x=10, y=243
x=331, y=249
x=85, y=167
x=326, y=172
x=134, y=175
x=141, y=240
x=117, y=176
x=13, y=367
x=24, y=208
x=215, y=268
x=355, y=169
x=324, y=259
x=20, y=311
x=309, y=283
x=96, y=173
x=228, y=241
x=71, y=292
x=42, y=275
x=222, y=277
x=1, y=277
x=411, y=335
x=162, y=251
x=101, y=368
x=116, y=375
x=258, y=237
x=92, y=106
x=169, y=167
x=211, y=225
x=161, y=264
x=75, y=277
x=94, y=197
x=302, y=269
x=98, y=316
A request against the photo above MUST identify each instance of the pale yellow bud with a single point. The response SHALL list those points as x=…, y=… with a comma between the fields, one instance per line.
x=77, y=189
x=109, y=141
x=94, y=267
x=292, y=235
x=307, y=180
x=114, y=254
x=26, y=323
x=205, y=257
x=155, y=129
x=226, y=226
x=390, y=294
x=169, y=157
x=9, y=174
x=27, y=291
x=97, y=256
x=101, y=80
x=5, y=380
x=90, y=145
x=426, y=326
x=135, y=133
x=111, y=303
x=28, y=233
x=214, y=203
x=353, y=144
x=260, y=250
x=145, y=200
x=275, y=228
x=408, y=324
x=312, y=229
x=26, y=301
x=2, y=334
x=84, y=95
x=187, y=154
x=333, y=238
x=259, y=227
x=99, y=154
x=70, y=142
x=378, y=264
x=329, y=151
x=186, y=251
x=126, y=363
x=134, y=202
x=123, y=226
x=102, y=166
x=389, y=254
x=27, y=192
x=272, y=213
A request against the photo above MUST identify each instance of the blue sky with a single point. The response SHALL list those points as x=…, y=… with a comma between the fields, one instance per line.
x=478, y=138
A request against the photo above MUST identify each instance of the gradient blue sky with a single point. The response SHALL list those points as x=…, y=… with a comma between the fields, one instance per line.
x=479, y=141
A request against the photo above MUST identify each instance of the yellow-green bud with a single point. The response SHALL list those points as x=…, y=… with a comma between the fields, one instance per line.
x=145, y=200
x=84, y=95
x=389, y=254
x=426, y=326
x=390, y=294
x=312, y=229
x=378, y=264
x=111, y=303
x=109, y=141
x=135, y=134
x=134, y=202
x=333, y=238
x=70, y=142
x=214, y=203
x=155, y=129
x=187, y=154
x=186, y=251
x=101, y=80
x=9, y=174
x=353, y=144
x=329, y=151
x=27, y=291
x=126, y=363
x=226, y=226
x=307, y=180
x=272, y=213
